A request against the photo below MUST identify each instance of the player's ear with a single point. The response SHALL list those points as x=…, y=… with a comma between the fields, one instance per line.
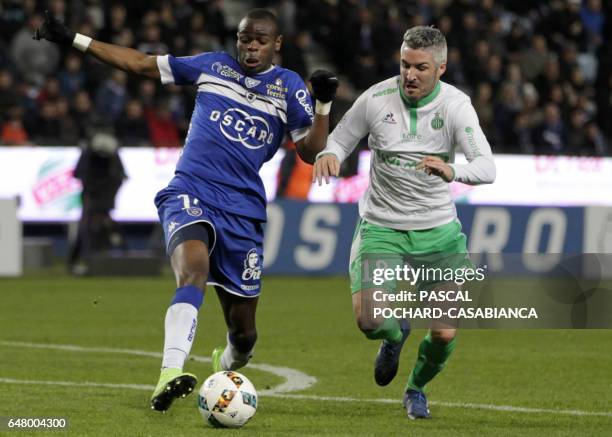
x=441, y=68
x=278, y=43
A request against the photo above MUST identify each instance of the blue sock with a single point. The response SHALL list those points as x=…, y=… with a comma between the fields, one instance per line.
x=189, y=294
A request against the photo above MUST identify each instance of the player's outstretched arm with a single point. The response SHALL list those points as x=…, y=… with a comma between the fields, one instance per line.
x=324, y=86
x=126, y=59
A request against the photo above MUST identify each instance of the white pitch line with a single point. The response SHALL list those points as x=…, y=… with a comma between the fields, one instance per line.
x=294, y=381
x=504, y=408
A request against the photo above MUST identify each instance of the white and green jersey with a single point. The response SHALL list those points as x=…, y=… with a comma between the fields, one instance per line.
x=400, y=135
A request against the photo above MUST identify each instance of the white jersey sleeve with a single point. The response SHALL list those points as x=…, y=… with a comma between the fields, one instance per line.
x=468, y=135
x=349, y=131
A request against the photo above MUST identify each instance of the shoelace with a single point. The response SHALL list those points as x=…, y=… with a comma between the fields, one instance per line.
x=420, y=402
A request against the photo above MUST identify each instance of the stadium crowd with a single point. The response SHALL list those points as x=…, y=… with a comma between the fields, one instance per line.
x=539, y=72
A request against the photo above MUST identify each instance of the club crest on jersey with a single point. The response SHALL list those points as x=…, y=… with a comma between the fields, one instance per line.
x=252, y=269
x=252, y=131
x=437, y=123
x=250, y=82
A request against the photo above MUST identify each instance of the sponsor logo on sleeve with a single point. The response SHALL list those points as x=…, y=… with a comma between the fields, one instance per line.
x=469, y=132
x=227, y=71
x=302, y=98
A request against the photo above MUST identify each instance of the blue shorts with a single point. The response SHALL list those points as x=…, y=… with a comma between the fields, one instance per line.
x=236, y=246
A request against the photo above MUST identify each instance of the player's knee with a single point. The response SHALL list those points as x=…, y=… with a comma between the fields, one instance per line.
x=443, y=335
x=244, y=342
x=196, y=276
x=367, y=325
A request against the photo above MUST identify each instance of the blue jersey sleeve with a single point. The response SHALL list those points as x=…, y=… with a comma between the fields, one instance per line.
x=184, y=70
x=299, y=110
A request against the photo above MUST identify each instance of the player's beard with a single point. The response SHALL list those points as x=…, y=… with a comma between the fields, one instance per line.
x=422, y=91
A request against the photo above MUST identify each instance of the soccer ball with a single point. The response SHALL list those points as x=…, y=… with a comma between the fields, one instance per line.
x=227, y=399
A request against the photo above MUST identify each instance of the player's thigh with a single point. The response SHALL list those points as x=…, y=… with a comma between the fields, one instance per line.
x=189, y=233
x=374, y=249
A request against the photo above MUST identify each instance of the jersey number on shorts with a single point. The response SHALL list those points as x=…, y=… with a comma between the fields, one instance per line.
x=193, y=211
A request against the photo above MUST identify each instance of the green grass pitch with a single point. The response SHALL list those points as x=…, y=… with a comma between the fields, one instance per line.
x=304, y=324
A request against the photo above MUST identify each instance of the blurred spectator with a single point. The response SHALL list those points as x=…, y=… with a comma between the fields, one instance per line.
x=69, y=130
x=485, y=110
x=534, y=59
x=576, y=135
x=82, y=111
x=12, y=131
x=293, y=53
x=132, y=128
x=151, y=42
x=164, y=131
x=34, y=59
x=593, y=20
x=71, y=77
x=550, y=136
x=596, y=143
x=47, y=130
x=8, y=93
x=111, y=96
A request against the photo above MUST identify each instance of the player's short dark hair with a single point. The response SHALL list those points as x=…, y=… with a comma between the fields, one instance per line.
x=427, y=38
x=264, y=14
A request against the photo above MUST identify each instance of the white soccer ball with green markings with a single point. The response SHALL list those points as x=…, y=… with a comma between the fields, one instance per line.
x=227, y=399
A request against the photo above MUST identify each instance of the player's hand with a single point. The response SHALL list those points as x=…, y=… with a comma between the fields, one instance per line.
x=54, y=30
x=432, y=165
x=324, y=85
x=326, y=166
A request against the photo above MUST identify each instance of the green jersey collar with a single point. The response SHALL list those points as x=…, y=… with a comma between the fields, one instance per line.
x=421, y=102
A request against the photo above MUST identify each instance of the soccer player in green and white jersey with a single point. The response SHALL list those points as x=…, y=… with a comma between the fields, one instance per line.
x=415, y=122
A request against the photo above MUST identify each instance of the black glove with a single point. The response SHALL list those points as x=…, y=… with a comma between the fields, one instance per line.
x=324, y=85
x=54, y=30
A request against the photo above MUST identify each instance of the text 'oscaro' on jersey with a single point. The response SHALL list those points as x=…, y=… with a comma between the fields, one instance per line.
x=238, y=123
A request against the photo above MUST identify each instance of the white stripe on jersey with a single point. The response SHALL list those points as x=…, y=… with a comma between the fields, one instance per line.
x=236, y=92
x=163, y=64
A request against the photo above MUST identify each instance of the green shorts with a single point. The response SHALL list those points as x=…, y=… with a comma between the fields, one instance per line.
x=442, y=247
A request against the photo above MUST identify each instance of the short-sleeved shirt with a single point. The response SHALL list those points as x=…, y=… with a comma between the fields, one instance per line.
x=238, y=123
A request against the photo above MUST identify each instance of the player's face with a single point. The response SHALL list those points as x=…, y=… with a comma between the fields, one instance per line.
x=253, y=258
x=257, y=42
x=418, y=72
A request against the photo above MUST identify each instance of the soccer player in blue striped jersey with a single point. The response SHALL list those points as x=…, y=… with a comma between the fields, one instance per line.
x=214, y=208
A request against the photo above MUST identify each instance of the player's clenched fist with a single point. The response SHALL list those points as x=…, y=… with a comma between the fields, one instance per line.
x=324, y=85
x=433, y=165
x=54, y=30
x=326, y=166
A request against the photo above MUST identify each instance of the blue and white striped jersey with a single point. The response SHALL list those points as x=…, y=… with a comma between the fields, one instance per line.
x=238, y=123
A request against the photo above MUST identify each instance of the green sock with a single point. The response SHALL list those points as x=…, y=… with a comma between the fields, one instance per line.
x=389, y=330
x=430, y=361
